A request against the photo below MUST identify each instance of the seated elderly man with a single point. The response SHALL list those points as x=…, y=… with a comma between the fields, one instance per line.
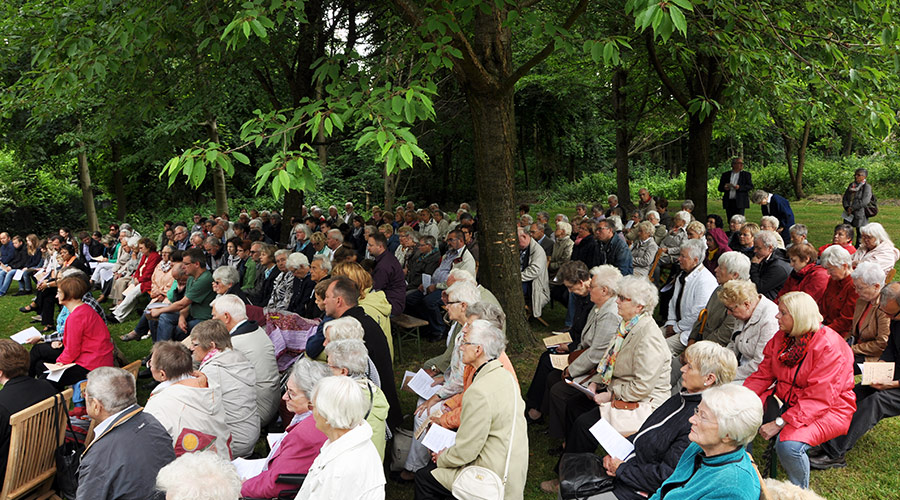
x=199, y=476
x=423, y=262
x=176, y=319
x=387, y=276
x=251, y=340
x=130, y=446
x=234, y=375
x=535, y=280
x=215, y=252
x=799, y=233
x=770, y=223
x=611, y=249
x=693, y=286
x=188, y=408
x=538, y=231
x=226, y=279
x=769, y=267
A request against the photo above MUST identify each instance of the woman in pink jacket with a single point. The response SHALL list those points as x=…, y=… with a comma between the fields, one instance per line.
x=812, y=368
x=302, y=442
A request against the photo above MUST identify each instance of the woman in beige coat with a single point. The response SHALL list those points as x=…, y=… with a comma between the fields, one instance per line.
x=492, y=427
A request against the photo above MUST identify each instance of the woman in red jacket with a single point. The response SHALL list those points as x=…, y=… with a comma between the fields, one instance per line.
x=807, y=276
x=86, y=340
x=812, y=368
x=140, y=282
x=838, y=303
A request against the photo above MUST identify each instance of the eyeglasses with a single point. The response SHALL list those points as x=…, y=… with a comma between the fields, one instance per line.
x=468, y=343
x=623, y=298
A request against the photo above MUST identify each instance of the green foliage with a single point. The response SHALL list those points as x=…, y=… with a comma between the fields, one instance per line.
x=37, y=201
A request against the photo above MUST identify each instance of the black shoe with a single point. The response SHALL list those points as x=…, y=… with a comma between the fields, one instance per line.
x=825, y=462
x=432, y=337
x=556, y=452
x=21, y=292
x=111, y=320
x=816, y=451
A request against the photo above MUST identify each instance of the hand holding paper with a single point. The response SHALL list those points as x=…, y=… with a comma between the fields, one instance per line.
x=557, y=338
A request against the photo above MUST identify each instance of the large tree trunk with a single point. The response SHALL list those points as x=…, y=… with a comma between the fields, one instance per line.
x=495, y=142
x=118, y=183
x=390, y=188
x=623, y=141
x=293, y=201
x=699, y=140
x=212, y=129
x=84, y=180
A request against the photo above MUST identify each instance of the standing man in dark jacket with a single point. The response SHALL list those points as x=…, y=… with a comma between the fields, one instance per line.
x=736, y=186
x=130, y=446
x=387, y=275
x=769, y=267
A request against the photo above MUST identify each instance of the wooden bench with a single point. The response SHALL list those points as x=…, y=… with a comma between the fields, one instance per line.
x=659, y=254
x=31, y=466
x=407, y=327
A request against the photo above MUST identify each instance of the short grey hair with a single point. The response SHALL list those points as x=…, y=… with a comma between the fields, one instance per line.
x=639, y=290
x=326, y=263
x=462, y=275
x=616, y=222
x=652, y=213
x=683, y=216
x=526, y=219
x=344, y=328
x=488, y=312
x=711, y=358
x=429, y=240
x=738, y=411
x=488, y=336
x=212, y=240
x=875, y=230
x=303, y=227
x=306, y=373
x=799, y=230
x=463, y=291
x=196, y=234
x=834, y=256
x=565, y=218
x=211, y=478
x=647, y=227
x=227, y=274
x=231, y=305
x=687, y=205
x=297, y=260
x=283, y=251
x=695, y=249
x=565, y=227
x=340, y=402
x=771, y=220
x=736, y=263
x=608, y=276
x=112, y=387
x=891, y=292
x=767, y=238
x=539, y=226
x=869, y=273
x=738, y=219
x=336, y=234
x=758, y=196
x=543, y=215
x=613, y=197
x=350, y=354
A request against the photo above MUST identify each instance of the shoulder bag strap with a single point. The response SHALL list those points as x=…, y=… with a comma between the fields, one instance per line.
x=512, y=433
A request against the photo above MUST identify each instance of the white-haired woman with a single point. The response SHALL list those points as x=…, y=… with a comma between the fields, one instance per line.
x=492, y=426
x=770, y=223
x=659, y=230
x=871, y=326
x=199, y=476
x=715, y=464
x=719, y=325
x=348, y=328
x=283, y=286
x=876, y=246
x=664, y=435
x=348, y=466
x=643, y=251
x=227, y=280
x=671, y=244
x=562, y=247
x=755, y=323
x=350, y=358
x=232, y=373
x=295, y=451
x=838, y=303
x=810, y=368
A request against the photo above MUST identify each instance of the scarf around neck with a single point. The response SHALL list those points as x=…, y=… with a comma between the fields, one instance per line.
x=607, y=364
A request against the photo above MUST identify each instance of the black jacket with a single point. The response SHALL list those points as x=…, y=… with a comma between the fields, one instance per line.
x=261, y=292
x=20, y=258
x=18, y=393
x=770, y=274
x=586, y=251
x=657, y=447
x=742, y=197
x=301, y=294
x=380, y=354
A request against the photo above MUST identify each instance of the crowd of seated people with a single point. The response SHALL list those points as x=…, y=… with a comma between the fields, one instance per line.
x=736, y=307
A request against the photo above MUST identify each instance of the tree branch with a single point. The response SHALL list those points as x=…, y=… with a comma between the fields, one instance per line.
x=654, y=60
x=523, y=70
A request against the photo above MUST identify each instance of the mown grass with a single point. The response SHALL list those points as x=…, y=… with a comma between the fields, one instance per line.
x=872, y=471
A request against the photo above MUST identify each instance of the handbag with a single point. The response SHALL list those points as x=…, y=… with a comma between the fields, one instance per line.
x=582, y=475
x=625, y=417
x=67, y=455
x=475, y=482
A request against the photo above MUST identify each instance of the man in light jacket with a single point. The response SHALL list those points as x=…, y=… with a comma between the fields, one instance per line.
x=535, y=280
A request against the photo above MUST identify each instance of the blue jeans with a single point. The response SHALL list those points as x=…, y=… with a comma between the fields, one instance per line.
x=6, y=280
x=793, y=457
x=168, y=327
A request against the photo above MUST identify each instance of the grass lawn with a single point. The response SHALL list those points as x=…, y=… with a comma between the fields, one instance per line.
x=872, y=471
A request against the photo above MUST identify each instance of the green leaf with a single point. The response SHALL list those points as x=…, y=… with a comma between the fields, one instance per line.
x=211, y=155
x=684, y=4
x=410, y=112
x=328, y=125
x=397, y=104
x=284, y=178
x=338, y=121
x=406, y=154
x=608, y=52
x=597, y=52
x=853, y=75
x=678, y=19
x=246, y=27
x=258, y=28
x=241, y=157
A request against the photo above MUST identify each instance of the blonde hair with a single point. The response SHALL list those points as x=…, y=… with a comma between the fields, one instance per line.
x=697, y=227
x=711, y=358
x=736, y=292
x=804, y=310
x=357, y=275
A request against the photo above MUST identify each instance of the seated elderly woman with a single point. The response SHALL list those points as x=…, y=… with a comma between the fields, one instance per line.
x=295, y=451
x=719, y=325
x=122, y=271
x=348, y=466
x=770, y=223
x=810, y=368
x=769, y=267
x=643, y=251
x=696, y=230
x=347, y=328
x=632, y=379
x=199, y=476
x=843, y=237
x=876, y=246
x=735, y=224
x=838, y=303
x=664, y=435
x=283, y=285
x=754, y=325
x=671, y=244
x=799, y=234
x=745, y=239
x=492, y=430
x=141, y=280
x=185, y=404
x=230, y=370
x=715, y=464
x=871, y=326
x=350, y=357
x=716, y=246
x=374, y=303
x=562, y=248
x=807, y=276
x=659, y=230
x=227, y=280
x=303, y=287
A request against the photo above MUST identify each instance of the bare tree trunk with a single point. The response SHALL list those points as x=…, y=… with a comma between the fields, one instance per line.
x=390, y=188
x=84, y=180
x=699, y=140
x=212, y=128
x=847, y=142
x=118, y=183
x=623, y=141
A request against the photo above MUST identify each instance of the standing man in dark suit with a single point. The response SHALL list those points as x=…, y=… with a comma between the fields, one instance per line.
x=736, y=185
x=776, y=206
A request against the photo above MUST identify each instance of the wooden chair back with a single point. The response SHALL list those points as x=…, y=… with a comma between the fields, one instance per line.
x=763, y=490
x=134, y=367
x=33, y=439
x=659, y=254
x=890, y=276
x=702, y=317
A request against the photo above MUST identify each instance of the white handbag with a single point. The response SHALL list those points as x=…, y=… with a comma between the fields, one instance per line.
x=475, y=482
